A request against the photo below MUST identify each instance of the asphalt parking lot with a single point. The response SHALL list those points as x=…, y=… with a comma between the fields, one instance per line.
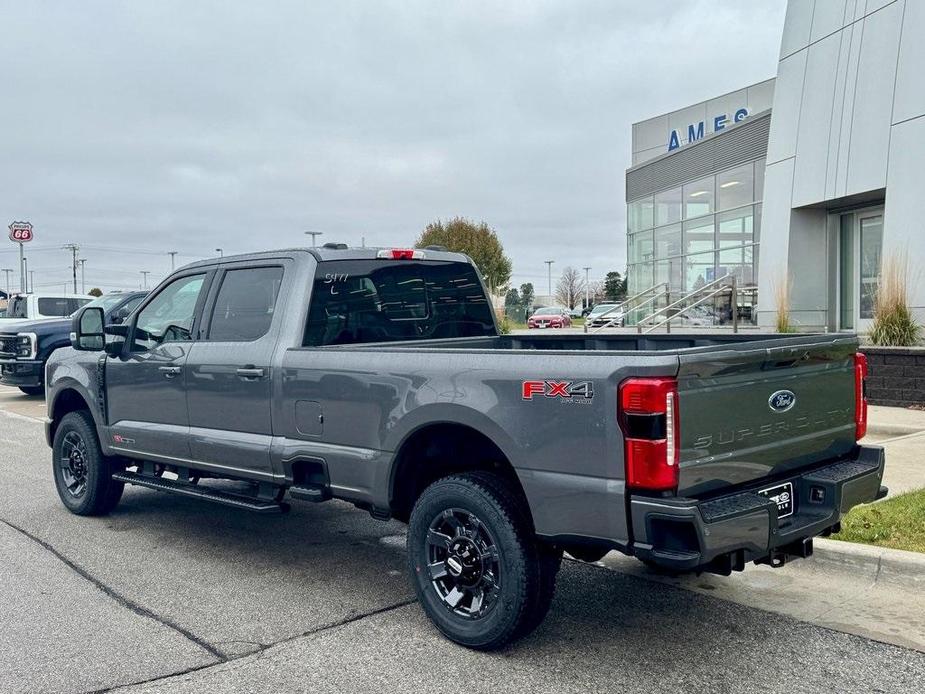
x=173, y=595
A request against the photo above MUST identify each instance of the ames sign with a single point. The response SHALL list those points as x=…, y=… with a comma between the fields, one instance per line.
x=695, y=131
x=21, y=232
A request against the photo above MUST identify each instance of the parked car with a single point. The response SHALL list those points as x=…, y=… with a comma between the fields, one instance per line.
x=23, y=353
x=378, y=377
x=606, y=314
x=550, y=317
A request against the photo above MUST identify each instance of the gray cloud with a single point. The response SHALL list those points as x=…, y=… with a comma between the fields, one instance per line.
x=189, y=126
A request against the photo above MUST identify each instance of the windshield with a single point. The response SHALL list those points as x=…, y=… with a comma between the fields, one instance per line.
x=356, y=301
x=549, y=311
x=601, y=308
x=106, y=302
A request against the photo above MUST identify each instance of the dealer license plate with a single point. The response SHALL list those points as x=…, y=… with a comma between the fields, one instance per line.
x=782, y=495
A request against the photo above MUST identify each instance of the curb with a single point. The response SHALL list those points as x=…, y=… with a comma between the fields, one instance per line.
x=894, y=429
x=878, y=563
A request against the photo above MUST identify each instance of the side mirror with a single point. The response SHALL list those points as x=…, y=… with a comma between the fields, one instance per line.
x=87, y=330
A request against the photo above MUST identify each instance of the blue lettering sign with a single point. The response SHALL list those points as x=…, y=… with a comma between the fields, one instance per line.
x=740, y=115
x=673, y=140
x=693, y=134
x=719, y=123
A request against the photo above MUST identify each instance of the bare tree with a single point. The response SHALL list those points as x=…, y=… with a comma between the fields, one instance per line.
x=570, y=288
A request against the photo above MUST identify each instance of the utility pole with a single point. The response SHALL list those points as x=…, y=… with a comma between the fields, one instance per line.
x=587, y=287
x=8, y=272
x=314, y=235
x=221, y=253
x=73, y=248
x=144, y=274
x=83, y=279
x=25, y=273
x=32, y=281
x=549, y=272
x=173, y=258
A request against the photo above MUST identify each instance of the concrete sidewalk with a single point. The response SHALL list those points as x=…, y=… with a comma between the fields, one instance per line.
x=901, y=432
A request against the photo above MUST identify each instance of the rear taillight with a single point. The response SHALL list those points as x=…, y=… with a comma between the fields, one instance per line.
x=860, y=396
x=401, y=254
x=648, y=416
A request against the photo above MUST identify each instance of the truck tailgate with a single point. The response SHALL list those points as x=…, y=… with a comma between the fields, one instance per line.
x=763, y=410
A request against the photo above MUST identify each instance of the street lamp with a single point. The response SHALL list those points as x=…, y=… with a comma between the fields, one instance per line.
x=145, y=273
x=314, y=235
x=173, y=259
x=549, y=272
x=587, y=287
x=221, y=253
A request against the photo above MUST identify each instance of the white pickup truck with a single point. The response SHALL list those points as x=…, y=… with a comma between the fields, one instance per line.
x=29, y=307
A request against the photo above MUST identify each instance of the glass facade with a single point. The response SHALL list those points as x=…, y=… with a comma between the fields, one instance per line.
x=699, y=232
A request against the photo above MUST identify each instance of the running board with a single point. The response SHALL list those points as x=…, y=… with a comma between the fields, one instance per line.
x=217, y=496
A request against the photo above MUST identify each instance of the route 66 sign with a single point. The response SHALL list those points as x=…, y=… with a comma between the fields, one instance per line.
x=21, y=232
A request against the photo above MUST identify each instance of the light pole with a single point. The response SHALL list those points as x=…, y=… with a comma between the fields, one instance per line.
x=25, y=273
x=587, y=287
x=31, y=282
x=173, y=258
x=83, y=278
x=145, y=273
x=549, y=273
x=221, y=253
x=73, y=248
x=314, y=235
x=8, y=272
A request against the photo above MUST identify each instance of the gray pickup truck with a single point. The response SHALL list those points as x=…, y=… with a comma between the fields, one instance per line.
x=378, y=377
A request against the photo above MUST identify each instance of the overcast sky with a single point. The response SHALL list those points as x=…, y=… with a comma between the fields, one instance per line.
x=138, y=128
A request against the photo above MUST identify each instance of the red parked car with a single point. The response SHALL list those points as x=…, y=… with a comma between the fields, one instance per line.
x=550, y=317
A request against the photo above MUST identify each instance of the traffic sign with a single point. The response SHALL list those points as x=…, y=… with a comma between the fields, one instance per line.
x=21, y=232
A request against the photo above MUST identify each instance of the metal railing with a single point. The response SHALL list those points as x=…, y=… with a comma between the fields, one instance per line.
x=624, y=308
x=728, y=284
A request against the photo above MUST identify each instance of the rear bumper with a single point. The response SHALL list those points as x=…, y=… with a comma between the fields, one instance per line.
x=18, y=372
x=722, y=533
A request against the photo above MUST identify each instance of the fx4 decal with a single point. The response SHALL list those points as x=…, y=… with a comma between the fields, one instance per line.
x=579, y=392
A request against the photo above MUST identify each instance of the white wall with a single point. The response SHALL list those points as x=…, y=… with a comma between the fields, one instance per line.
x=847, y=120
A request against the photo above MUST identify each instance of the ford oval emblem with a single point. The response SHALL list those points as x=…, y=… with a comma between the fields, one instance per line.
x=782, y=400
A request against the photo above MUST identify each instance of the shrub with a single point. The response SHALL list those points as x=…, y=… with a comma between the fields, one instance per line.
x=893, y=324
x=504, y=325
x=782, y=306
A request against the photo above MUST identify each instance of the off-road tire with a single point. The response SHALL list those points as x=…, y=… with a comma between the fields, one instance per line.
x=100, y=493
x=527, y=569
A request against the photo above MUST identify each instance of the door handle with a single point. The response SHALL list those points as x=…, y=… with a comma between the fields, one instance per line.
x=170, y=371
x=250, y=372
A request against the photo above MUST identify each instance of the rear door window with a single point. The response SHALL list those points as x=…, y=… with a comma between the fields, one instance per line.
x=357, y=301
x=55, y=306
x=245, y=304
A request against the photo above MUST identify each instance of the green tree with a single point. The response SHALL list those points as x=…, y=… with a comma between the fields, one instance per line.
x=477, y=240
x=512, y=299
x=96, y=291
x=614, y=286
x=527, y=295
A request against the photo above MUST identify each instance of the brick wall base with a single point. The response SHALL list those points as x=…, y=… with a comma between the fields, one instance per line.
x=897, y=375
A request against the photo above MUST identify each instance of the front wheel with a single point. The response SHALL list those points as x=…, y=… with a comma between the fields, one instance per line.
x=83, y=475
x=476, y=567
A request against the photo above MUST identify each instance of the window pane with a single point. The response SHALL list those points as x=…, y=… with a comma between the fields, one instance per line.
x=668, y=207
x=668, y=241
x=670, y=271
x=357, y=301
x=698, y=198
x=871, y=243
x=698, y=235
x=735, y=227
x=736, y=187
x=56, y=307
x=846, y=270
x=699, y=270
x=738, y=262
x=169, y=316
x=759, y=179
x=641, y=247
x=244, y=306
x=639, y=215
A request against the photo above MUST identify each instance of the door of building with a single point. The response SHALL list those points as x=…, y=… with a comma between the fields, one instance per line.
x=860, y=244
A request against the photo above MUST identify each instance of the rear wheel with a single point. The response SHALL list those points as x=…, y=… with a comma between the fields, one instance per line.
x=476, y=567
x=83, y=475
x=33, y=390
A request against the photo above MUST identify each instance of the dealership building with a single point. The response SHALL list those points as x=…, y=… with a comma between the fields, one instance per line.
x=805, y=181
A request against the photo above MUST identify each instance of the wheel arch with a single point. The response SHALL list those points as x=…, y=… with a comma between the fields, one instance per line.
x=443, y=445
x=66, y=400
